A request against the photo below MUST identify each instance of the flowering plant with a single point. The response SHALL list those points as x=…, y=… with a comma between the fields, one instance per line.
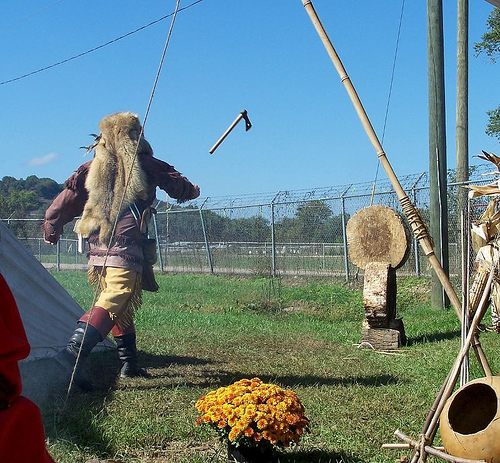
x=252, y=412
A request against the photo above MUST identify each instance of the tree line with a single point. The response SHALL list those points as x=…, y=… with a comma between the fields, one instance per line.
x=490, y=45
x=20, y=199
x=310, y=222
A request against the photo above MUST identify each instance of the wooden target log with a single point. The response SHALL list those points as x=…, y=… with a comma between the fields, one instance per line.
x=378, y=234
x=379, y=242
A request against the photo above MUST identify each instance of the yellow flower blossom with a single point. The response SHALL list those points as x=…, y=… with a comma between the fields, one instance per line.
x=252, y=410
x=262, y=424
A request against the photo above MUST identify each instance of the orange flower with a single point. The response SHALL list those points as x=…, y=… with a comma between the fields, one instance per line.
x=232, y=435
x=262, y=424
x=250, y=409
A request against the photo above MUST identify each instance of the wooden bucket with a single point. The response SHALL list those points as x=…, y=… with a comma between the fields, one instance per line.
x=470, y=421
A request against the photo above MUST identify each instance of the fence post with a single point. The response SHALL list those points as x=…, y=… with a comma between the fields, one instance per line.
x=207, y=245
x=415, y=241
x=344, y=234
x=323, y=263
x=158, y=246
x=58, y=255
x=273, y=237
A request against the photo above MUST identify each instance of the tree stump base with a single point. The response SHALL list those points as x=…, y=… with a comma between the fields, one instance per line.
x=384, y=339
x=380, y=327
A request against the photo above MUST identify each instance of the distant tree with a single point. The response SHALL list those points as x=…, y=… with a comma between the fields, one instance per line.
x=311, y=220
x=491, y=38
x=286, y=229
x=183, y=225
x=46, y=188
x=333, y=231
x=9, y=184
x=493, y=127
x=21, y=198
x=312, y=223
x=490, y=44
x=4, y=207
x=248, y=229
x=21, y=202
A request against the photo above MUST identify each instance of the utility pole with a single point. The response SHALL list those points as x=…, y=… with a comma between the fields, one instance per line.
x=437, y=146
x=462, y=128
x=462, y=135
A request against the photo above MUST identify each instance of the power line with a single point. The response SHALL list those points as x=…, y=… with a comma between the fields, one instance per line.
x=390, y=89
x=128, y=34
x=30, y=15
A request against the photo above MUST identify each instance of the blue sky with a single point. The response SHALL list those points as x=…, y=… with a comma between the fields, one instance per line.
x=225, y=56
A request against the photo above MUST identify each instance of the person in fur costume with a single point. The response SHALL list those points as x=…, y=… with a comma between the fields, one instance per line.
x=113, y=194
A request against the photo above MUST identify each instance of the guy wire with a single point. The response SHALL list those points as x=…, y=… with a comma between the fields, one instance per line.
x=388, y=97
x=167, y=41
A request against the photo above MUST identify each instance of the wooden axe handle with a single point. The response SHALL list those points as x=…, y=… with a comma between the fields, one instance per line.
x=242, y=115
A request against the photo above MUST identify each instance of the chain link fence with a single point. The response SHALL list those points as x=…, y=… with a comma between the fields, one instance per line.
x=301, y=232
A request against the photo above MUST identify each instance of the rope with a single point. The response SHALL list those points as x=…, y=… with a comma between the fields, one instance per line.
x=415, y=220
x=167, y=41
x=389, y=96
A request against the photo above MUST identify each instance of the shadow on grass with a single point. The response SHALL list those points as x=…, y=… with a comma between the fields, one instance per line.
x=158, y=361
x=77, y=419
x=316, y=456
x=432, y=337
x=215, y=378
x=187, y=370
x=74, y=418
x=313, y=381
x=71, y=417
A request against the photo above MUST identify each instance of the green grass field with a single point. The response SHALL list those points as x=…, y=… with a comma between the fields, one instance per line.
x=201, y=332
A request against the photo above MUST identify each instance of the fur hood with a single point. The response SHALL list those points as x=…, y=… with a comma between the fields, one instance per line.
x=115, y=178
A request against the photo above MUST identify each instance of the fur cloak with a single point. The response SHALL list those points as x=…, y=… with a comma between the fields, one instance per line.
x=115, y=178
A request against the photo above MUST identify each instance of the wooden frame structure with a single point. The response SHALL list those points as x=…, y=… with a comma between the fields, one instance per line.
x=423, y=446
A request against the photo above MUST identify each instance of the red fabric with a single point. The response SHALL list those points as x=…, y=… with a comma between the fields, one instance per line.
x=98, y=318
x=21, y=430
x=14, y=346
x=122, y=332
x=21, y=434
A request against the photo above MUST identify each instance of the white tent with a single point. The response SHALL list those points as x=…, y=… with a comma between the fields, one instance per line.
x=48, y=312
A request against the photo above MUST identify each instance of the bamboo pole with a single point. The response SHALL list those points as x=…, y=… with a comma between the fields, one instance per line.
x=434, y=451
x=405, y=446
x=412, y=214
x=455, y=371
x=431, y=424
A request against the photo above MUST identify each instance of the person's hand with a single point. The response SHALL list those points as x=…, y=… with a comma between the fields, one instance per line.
x=51, y=240
x=196, y=192
x=50, y=236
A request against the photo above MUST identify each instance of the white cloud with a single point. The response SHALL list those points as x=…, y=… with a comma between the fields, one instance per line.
x=40, y=161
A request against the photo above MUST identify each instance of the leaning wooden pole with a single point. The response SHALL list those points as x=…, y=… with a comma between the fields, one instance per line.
x=412, y=214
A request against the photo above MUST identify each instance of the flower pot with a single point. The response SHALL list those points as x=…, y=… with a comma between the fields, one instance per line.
x=246, y=454
x=469, y=422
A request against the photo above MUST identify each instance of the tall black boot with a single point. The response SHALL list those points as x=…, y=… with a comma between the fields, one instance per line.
x=127, y=353
x=82, y=342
